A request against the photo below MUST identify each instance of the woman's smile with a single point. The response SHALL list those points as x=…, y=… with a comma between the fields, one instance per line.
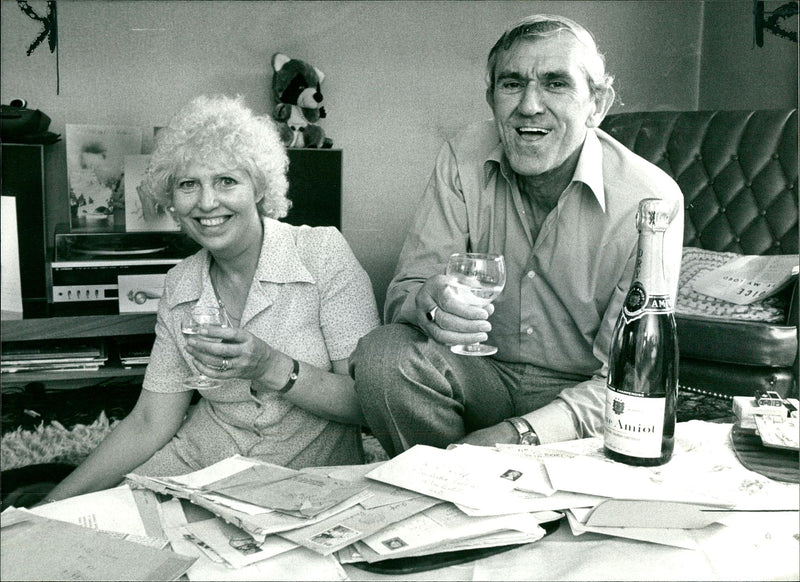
x=212, y=221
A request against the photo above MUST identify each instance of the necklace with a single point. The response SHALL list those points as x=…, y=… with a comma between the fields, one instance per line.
x=233, y=321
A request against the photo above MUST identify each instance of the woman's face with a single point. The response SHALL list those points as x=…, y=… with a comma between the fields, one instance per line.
x=216, y=206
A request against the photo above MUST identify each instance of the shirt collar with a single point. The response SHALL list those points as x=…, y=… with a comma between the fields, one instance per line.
x=278, y=262
x=589, y=169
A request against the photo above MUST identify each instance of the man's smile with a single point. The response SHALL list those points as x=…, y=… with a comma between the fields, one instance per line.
x=532, y=132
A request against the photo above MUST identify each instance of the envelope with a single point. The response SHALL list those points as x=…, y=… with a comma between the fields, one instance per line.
x=678, y=538
x=635, y=513
x=355, y=523
x=298, y=493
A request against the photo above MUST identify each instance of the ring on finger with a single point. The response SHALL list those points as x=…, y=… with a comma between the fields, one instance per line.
x=225, y=365
x=431, y=314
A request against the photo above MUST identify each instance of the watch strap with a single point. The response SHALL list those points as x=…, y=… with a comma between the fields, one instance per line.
x=524, y=430
x=292, y=377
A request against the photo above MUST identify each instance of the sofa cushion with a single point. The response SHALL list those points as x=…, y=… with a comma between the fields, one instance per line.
x=737, y=171
x=725, y=380
x=690, y=302
x=720, y=331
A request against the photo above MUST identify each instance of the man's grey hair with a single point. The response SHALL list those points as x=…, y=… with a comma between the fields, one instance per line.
x=543, y=25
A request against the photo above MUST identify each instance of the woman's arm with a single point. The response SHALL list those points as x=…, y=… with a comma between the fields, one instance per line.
x=151, y=424
x=327, y=394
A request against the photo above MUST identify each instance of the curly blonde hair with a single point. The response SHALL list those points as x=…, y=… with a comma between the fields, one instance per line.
x=221, y=129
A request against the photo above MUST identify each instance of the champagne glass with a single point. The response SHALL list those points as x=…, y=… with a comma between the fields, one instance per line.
x=191, y=323
x=479, y=279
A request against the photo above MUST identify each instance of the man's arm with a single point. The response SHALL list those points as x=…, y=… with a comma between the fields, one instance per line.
x=438, y=230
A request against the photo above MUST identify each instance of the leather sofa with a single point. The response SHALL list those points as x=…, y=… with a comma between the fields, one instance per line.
x=738, y=173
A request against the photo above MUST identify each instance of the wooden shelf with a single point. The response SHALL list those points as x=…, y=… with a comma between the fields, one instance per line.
x=77, y=327
x=91, y=326
x=107, y=371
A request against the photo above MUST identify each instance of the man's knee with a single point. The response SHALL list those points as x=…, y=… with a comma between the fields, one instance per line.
x=379, y=353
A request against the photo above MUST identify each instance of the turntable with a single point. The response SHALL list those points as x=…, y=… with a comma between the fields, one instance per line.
x=86, y=266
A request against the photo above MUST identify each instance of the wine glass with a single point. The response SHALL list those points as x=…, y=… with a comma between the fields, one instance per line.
x=479, y=279
x=191, y=322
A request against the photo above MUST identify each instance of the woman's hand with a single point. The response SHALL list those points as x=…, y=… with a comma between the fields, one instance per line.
x=446, y=318
x=328, y=394
x=240, y=354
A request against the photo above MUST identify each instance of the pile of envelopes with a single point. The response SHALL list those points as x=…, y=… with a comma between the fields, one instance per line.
x=347, y=511
x=428, y=500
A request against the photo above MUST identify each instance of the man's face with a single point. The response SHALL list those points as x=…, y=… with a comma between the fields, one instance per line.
x=541, y=102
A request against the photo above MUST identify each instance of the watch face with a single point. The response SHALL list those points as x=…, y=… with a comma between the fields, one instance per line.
x=529, y=439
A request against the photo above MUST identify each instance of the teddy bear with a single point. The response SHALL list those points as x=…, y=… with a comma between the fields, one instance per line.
x=298, y=102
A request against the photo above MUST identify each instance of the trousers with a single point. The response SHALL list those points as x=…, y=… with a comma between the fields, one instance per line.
x=414, y=390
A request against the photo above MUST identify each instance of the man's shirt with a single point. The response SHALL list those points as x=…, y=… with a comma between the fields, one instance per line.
x=564, y=291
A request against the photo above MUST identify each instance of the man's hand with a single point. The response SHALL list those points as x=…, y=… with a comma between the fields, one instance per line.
x=492, y=435
x=453, y=321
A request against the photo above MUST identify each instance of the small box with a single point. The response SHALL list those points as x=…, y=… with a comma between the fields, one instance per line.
x=745, y=408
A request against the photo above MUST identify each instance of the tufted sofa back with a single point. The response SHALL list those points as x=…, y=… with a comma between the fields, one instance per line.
x=737, y=171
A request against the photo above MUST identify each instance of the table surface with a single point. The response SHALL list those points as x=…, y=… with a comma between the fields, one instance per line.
x=748, y=545
x=762, y=546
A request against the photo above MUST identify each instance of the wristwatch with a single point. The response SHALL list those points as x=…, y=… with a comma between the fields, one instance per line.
x=527, y=436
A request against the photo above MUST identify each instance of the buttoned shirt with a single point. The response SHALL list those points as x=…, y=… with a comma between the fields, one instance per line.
x=565, y=289
x=310, y=299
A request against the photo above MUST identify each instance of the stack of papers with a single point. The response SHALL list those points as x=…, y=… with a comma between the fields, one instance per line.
x=134, y=351
x=99, y=536
x=337, y=512
x=50, y=356
x=431, y=501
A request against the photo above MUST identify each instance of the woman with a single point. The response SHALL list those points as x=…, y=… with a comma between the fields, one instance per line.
x=296, y=297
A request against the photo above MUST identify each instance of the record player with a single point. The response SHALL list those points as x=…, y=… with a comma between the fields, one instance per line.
x=86, y=266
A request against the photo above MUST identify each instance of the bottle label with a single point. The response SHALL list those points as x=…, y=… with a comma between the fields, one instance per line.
x=634, y=424
x=638, y=303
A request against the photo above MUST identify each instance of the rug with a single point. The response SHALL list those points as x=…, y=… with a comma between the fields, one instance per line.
x=53, y=443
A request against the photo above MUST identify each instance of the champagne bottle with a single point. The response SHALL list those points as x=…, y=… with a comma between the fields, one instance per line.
x=642, y=384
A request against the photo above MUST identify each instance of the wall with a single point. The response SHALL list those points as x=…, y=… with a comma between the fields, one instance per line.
x=401, y=78
x=737, y=74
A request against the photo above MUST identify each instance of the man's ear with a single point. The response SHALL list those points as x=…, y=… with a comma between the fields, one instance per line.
x=602, y=103
x=490, y=97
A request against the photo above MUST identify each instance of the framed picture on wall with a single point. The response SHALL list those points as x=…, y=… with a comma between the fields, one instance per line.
x=142, y=212
x=95, y=170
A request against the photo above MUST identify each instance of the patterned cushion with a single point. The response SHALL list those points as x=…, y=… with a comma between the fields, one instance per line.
x=713, y=330
x=690, y=302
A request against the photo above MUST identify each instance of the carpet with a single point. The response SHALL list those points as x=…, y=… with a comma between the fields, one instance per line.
x=53, y=443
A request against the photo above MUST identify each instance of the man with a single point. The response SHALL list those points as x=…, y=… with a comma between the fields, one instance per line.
x=557, y=196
